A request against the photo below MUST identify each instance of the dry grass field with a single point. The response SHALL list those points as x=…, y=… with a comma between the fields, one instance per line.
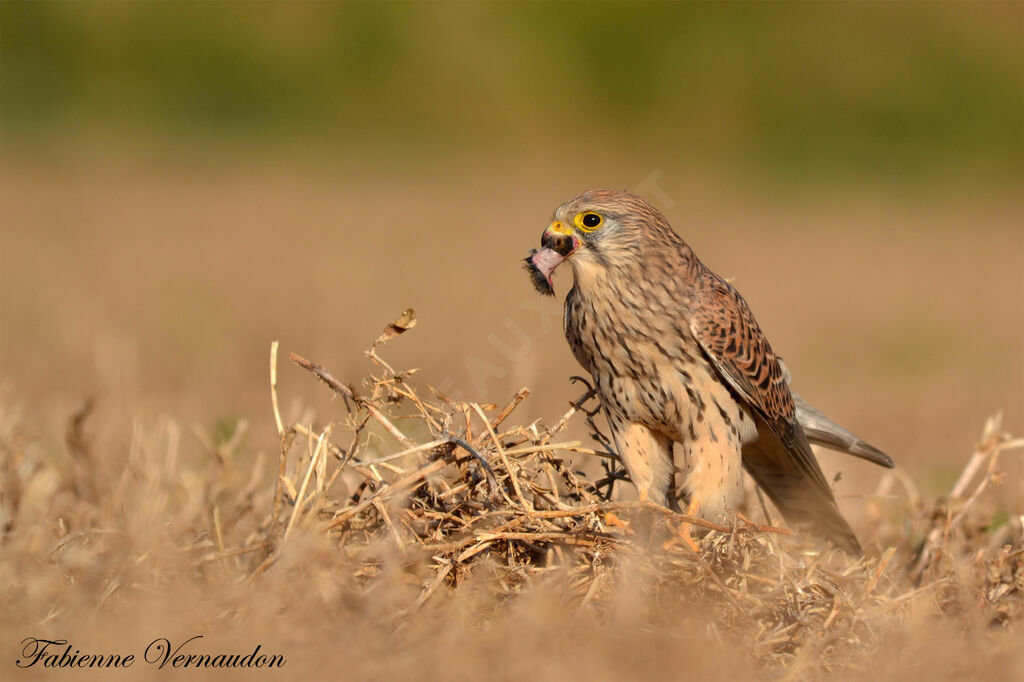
x=140, y=449
x=184, y=184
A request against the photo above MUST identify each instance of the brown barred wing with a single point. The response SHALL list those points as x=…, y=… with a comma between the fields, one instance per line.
x=729, y=335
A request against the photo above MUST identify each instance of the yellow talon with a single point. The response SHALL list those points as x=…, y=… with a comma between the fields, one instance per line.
x=612, y=520
x=684, y=531
x=618, y=525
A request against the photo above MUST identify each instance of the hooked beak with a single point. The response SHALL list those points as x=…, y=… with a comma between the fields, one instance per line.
x=557, y=243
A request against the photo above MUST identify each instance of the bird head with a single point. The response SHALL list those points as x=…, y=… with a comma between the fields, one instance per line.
x=595, y=231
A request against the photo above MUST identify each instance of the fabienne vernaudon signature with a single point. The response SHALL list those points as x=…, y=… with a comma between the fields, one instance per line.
x=160, y=653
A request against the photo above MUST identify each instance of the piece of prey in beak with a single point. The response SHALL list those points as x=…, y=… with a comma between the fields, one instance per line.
x=557, y=244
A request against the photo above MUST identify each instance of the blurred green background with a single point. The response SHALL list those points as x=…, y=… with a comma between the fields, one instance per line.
x=181, y=183
x=807, y=88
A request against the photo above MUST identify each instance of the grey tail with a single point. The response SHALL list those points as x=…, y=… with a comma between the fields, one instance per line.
x=823, y=431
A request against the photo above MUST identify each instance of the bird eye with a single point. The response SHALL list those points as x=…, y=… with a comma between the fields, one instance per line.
x=590, y=222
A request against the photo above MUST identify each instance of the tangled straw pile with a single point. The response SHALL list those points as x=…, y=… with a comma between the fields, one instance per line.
x=384, y=521
x=473, y=488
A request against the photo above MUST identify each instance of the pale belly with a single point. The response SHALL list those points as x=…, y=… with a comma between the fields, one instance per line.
x=691, y=407
x=658, y=378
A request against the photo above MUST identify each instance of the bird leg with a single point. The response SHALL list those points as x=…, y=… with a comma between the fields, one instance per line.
x=685, y=529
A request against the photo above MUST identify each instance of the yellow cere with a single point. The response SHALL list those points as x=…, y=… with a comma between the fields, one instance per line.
x=588, y=221
x=558, y=228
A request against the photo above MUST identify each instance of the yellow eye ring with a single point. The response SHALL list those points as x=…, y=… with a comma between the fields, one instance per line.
x=588, y=222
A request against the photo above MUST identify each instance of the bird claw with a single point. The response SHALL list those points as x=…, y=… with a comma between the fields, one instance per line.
x=613, y=521
x=684, y=532
x=682, y=535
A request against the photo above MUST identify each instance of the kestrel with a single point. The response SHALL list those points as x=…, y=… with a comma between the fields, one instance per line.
x=676, y=356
